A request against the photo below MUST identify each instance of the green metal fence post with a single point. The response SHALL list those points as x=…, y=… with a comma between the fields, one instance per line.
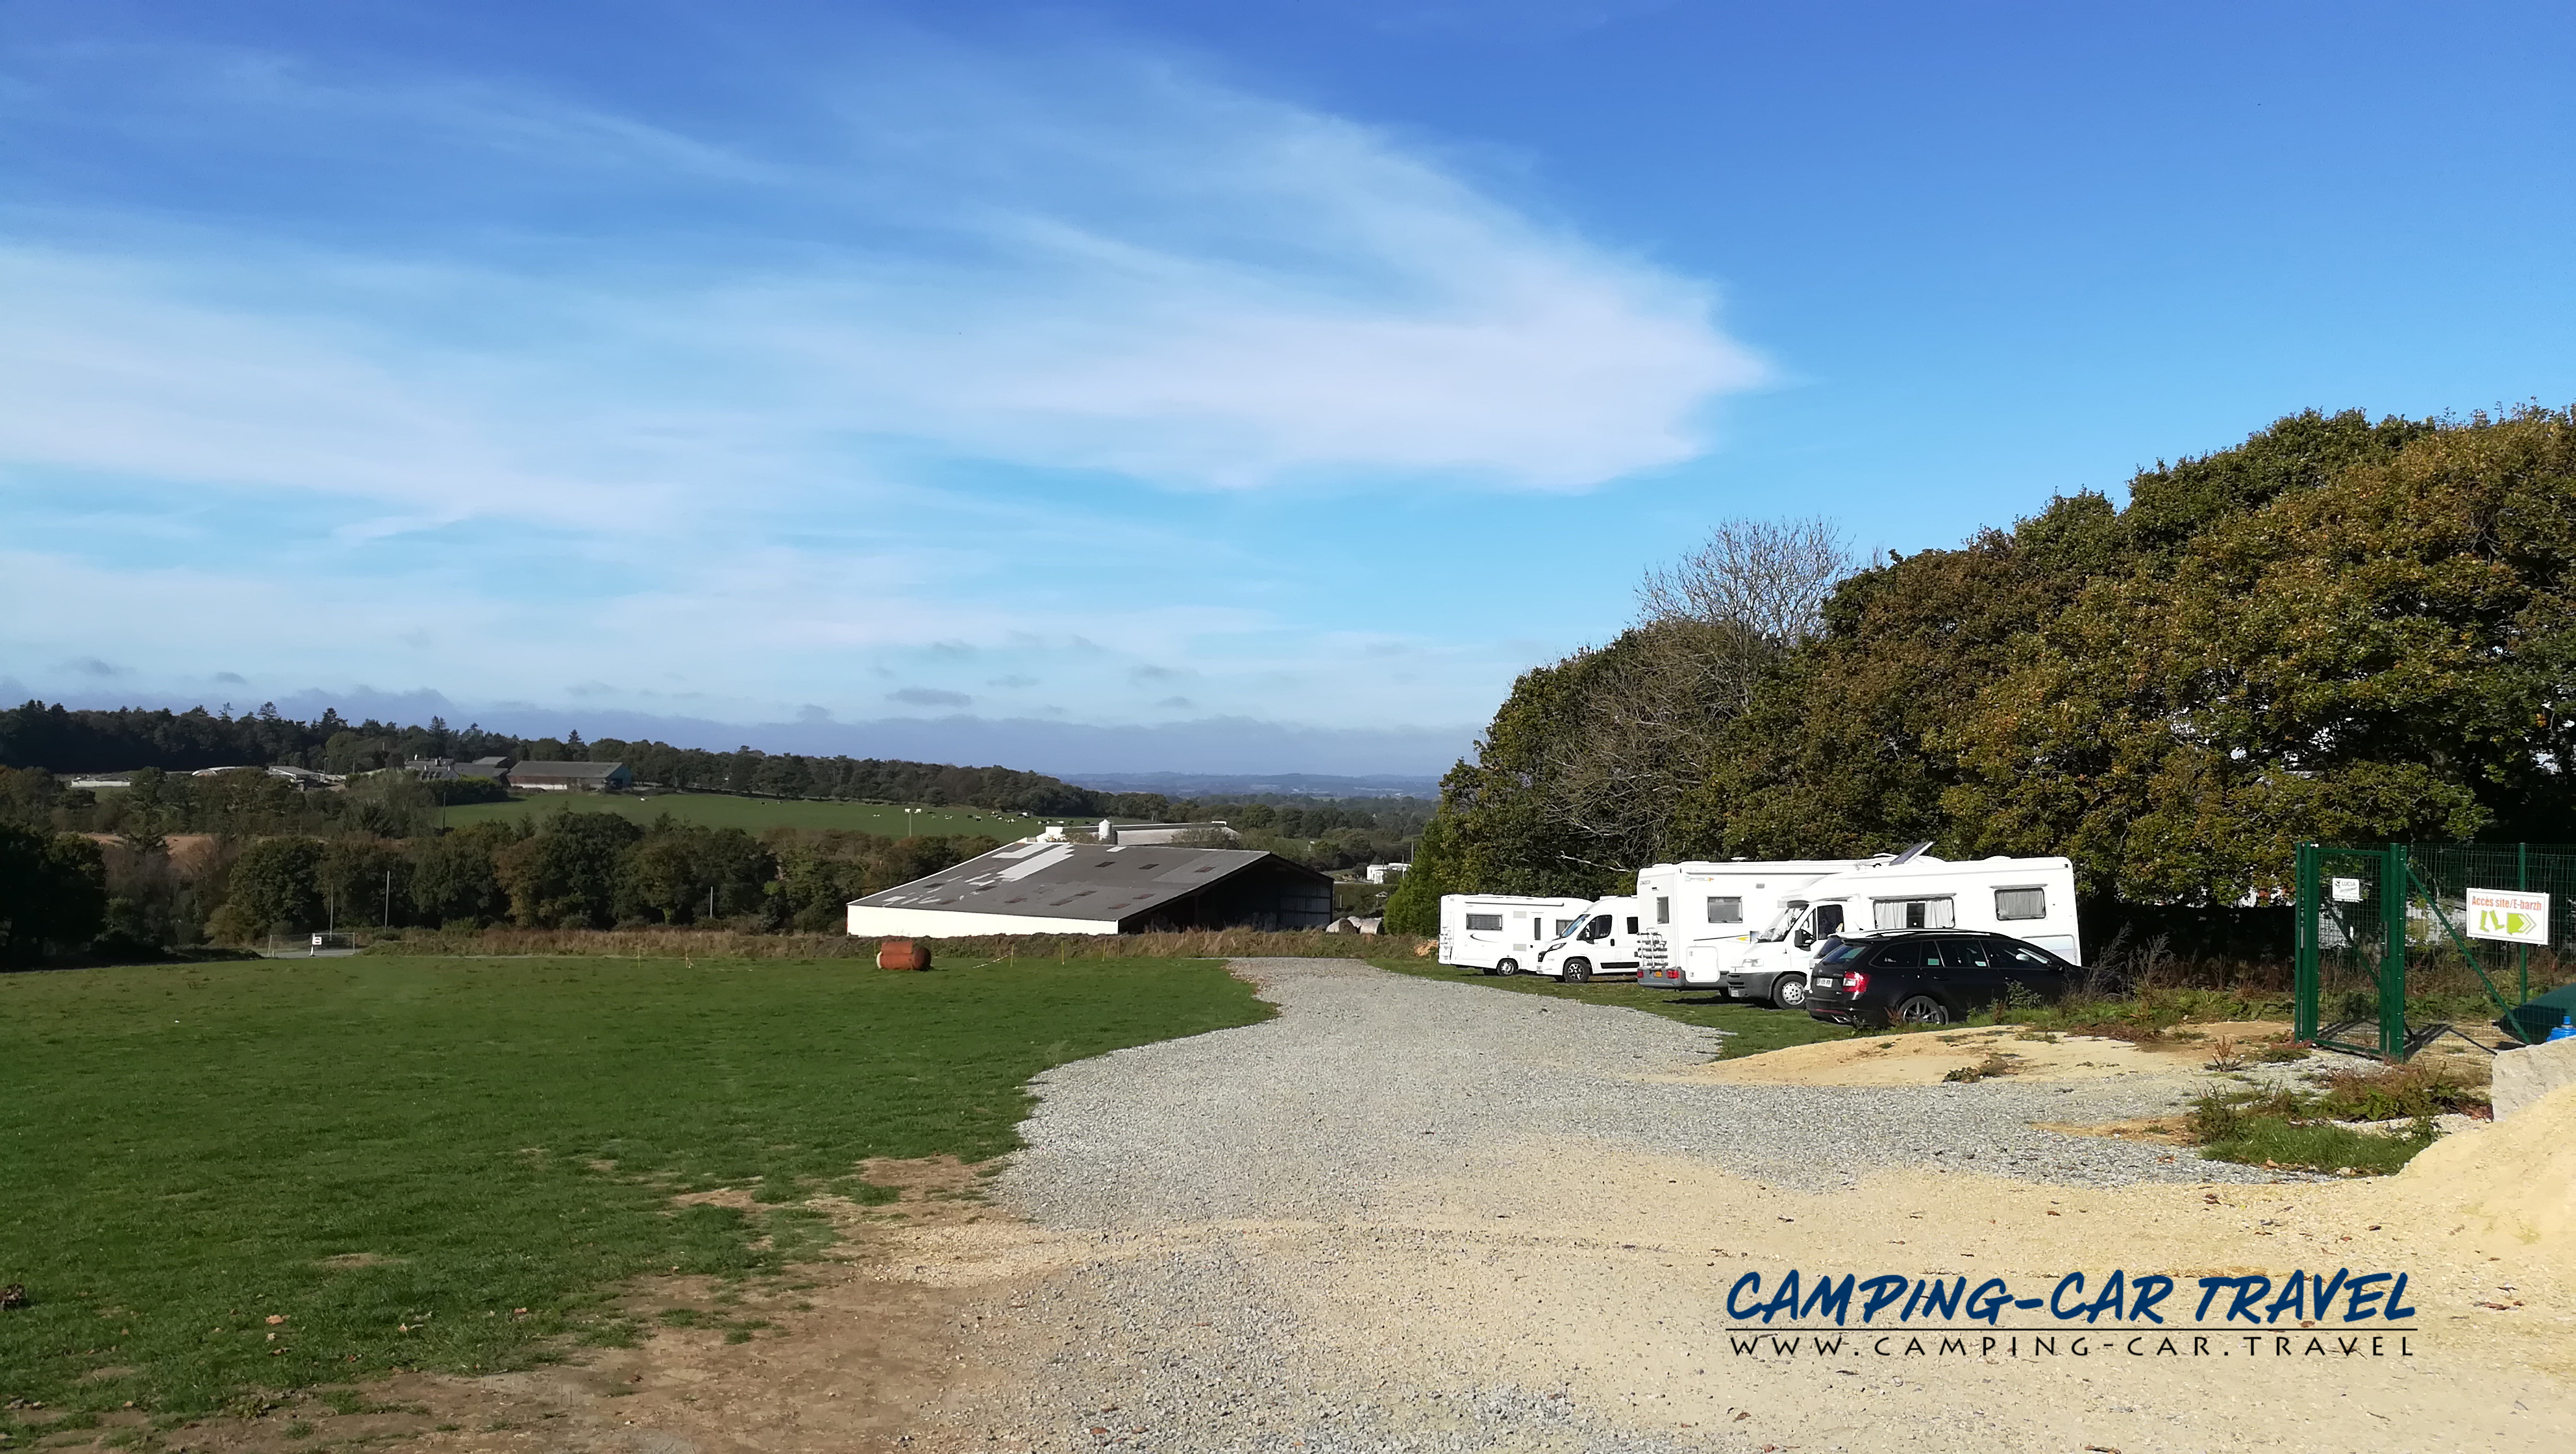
x=2522, y=952
x=2394, y=896
x=2303, y=1012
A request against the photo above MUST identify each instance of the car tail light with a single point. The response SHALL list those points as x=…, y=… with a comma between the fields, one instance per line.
x=1854, y=982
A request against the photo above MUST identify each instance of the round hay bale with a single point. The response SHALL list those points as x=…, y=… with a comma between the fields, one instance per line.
x=903, y=954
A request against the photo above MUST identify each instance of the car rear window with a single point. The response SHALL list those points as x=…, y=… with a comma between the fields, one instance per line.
x=1964, y=953
x=1905, y=955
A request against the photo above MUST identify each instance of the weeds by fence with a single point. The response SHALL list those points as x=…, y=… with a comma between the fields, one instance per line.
x=731, y=944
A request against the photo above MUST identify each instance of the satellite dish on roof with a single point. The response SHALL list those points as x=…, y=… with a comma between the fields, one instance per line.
x=1908, y=855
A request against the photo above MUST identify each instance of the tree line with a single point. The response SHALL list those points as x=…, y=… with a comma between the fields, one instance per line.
x=60, y=892
x=44, y=739
x=2340, y=630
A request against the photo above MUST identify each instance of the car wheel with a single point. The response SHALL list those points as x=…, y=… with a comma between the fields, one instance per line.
x=1789, y=991
x=1922, y=1010
x=1507, y=968
x=1576, y=971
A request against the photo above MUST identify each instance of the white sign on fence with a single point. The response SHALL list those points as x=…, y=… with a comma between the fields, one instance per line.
x=2509, y=914
x=2347, y=891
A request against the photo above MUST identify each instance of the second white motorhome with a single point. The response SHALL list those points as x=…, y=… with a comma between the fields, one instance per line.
x=1502, y=933
x=1710, y=912
x=2031, y=899
x=1612, y=938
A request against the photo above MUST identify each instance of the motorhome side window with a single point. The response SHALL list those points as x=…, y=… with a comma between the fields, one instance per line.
x=1726, y=911
x=1940, y=913
x=1663, y=910
x=2021, y=903
x=1484, y=921
x=1564, y=927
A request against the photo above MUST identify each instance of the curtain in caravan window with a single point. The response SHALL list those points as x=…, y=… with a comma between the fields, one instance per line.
x=1940, y=913
x=1726, y=911
x=1663, y=909
x=2021, y=903
x=1484, y=921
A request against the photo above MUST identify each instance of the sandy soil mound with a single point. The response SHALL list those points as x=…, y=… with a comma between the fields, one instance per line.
x=2513, y=1180
x=1925, y=1058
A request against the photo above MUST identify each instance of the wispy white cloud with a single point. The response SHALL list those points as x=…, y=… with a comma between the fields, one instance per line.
x=744, y=407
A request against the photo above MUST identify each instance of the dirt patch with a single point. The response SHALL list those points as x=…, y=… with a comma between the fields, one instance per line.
x=838, y=1355
x=1932, y=1056
x=2155, y=1130
x=352, y=1261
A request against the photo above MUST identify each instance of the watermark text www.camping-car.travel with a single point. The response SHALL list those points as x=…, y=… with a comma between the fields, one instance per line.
x=2300, y=1315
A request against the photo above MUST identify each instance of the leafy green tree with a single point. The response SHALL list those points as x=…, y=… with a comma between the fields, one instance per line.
x=2388, y=653
x=1414, y=905
x=567, y=875
x=53, y=892
x=366, y=880
x=273, y=889
x=684, y=872
x=456, y=878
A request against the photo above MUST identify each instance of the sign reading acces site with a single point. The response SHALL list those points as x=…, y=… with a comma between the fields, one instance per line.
x=2509, y=914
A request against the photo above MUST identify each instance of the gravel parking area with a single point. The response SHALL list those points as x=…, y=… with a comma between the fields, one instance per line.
x=1369, y=1080
x=1280, y=1227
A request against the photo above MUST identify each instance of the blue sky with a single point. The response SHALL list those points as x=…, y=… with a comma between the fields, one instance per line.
x=1276, y=380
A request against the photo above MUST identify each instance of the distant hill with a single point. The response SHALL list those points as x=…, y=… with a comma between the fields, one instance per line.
x=1284, y=784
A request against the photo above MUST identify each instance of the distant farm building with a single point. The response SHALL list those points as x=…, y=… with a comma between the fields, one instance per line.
x=448, y=769
x=1038, y=887
x=1387, y=873
x=571, y=777
x=1149, y=833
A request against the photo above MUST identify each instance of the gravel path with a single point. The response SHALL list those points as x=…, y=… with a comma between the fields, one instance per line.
x=1368, y=1080
x=1244, y=1192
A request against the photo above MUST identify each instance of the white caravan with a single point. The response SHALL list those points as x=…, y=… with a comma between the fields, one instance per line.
x=1709, y=912
x=1611, y=937
x=1501, y=933
x=2031, y=899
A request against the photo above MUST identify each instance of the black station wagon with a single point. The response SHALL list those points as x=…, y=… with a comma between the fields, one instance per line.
x=1928, y=977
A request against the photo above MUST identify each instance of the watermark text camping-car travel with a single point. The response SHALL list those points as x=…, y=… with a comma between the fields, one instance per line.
x=2303, y=1314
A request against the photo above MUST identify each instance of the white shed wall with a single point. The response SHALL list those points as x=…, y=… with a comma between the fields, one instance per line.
x=897, y=923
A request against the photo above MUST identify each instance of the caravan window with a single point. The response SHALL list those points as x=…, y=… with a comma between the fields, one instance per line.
x=1940, y=913
x=1726, y=911
x=1663, y=910
x=2021, y=903
x=1484, y=921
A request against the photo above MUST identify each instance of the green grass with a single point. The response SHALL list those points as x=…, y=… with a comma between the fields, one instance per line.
x=1754, y=1028
x=753, y=815
x=360, y=1147
x=2273, y=1130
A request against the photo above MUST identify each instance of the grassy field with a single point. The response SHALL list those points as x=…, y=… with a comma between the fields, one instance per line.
x=235, y=1177
x=752, y=815
x=1755, y=1029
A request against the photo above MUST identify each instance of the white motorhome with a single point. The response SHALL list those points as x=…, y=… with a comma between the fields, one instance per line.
x=1502, y=933
x=1611, y=937
x=2031, y=899
x=1710, y=912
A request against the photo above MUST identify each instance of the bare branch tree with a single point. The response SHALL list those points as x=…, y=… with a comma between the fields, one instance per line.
x=1767, y=578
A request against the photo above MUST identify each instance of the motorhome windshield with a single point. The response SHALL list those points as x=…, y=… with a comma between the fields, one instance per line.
x=1780, y=927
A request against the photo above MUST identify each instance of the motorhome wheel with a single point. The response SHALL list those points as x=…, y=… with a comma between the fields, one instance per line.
x=1923, y=1010
x=1789, y=991
x=1506, y=968
x=1577, y=971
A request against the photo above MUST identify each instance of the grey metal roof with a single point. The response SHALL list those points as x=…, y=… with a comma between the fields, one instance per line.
x=565, y=769
x=1069, y=880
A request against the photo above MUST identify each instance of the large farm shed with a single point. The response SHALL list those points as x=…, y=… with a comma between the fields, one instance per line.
x=1037, y=887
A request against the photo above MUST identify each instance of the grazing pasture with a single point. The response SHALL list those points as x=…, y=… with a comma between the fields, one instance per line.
x=755, y=815
x=229, y=1178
